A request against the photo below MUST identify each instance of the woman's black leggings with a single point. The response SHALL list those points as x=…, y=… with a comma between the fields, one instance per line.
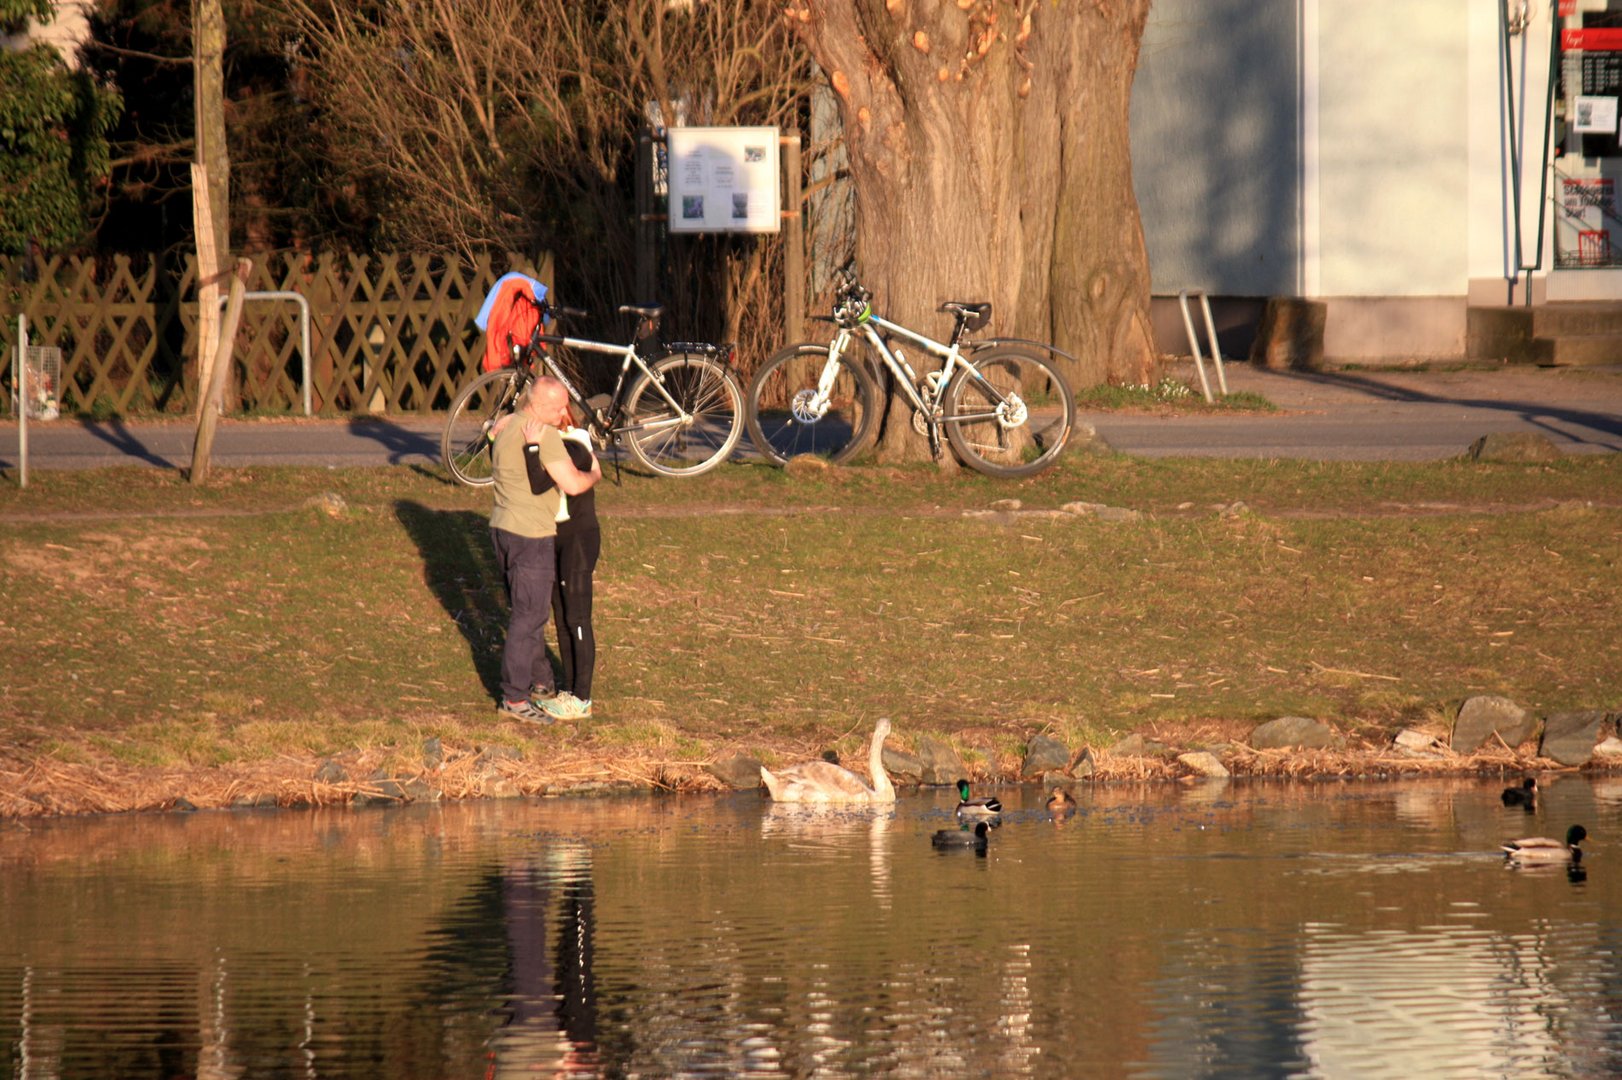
x=571, y=606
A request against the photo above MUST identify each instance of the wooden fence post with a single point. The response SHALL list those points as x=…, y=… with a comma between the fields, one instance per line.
x=793, y=244
x=203, y=444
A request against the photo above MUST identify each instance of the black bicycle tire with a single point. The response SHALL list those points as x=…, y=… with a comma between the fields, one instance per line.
x=727, y=380
x=861, y=430
x=447, y=449
x=969, y=377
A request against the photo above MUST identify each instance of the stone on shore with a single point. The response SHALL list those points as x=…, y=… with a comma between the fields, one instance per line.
x=903, y=765
x=330, y=772
x=1204, y=763
x=1044, y=755
x=1135, y=745
x=740, y=773
x=941, y=764
x=1570, y=737
x=1485, y=714
x=1416, y=743
x=1291, y=733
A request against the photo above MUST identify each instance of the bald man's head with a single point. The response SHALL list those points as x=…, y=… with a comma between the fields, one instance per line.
x=549, y=401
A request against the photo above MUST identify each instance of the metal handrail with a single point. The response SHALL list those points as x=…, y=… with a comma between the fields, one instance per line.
x=303, y=329
x=1194, y=341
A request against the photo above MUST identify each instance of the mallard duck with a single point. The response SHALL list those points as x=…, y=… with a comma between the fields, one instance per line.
x=1061, y=802
x=1541, y=849
x=825, y=782
x=1525, y=795
x=961, y=838
x=975, y=809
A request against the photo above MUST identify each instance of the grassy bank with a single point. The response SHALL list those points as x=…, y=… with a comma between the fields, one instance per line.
x=160, y=642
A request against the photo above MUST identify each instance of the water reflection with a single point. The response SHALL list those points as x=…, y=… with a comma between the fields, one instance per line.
x=1217, y=929
x=551, y=1011
x=1449, y=1002
x=840, y=828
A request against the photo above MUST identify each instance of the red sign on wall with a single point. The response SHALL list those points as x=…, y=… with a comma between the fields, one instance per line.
x=1606, y=39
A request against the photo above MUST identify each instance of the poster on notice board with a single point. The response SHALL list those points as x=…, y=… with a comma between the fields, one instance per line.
x=724, y=179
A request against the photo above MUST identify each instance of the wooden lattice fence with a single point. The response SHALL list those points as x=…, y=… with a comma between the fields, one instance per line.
x=388, y=333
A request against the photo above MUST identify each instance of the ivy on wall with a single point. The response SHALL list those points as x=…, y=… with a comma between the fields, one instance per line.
x=54, y=121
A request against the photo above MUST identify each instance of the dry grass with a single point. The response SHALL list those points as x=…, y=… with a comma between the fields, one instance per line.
x=161, y=643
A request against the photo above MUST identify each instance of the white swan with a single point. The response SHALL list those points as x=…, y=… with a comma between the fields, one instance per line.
x=825, y=782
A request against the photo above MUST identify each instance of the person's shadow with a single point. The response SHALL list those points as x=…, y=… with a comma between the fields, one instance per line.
x=460, y=567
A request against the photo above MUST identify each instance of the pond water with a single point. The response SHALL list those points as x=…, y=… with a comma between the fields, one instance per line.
x=1239, y=929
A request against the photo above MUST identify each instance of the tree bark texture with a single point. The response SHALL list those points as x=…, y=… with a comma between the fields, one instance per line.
x=211, y=210
x=988, y=149
x=208, y=43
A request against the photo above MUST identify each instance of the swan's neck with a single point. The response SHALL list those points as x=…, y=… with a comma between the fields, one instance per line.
x=882, y=787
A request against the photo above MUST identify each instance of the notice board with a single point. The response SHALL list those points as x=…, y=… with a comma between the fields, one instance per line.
x=724, y=179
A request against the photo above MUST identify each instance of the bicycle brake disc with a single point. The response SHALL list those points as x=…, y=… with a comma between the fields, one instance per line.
x=804, y=407
x=1012, y=413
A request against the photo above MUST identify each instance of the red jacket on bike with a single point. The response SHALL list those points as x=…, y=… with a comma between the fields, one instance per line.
x=508, y=317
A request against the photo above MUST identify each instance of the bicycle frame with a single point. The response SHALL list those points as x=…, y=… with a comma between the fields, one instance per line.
x=896, y=361
x=927, y=406
x=604, y=424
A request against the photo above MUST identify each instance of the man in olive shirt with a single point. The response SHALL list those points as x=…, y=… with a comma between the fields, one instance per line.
x=530, y=467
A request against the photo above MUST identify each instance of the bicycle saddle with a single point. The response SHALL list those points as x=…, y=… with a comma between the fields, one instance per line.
x=650, y=311
x=974, y=314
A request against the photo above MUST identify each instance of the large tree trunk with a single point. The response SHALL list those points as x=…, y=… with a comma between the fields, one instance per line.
x=1096, y=296
x=987, y=142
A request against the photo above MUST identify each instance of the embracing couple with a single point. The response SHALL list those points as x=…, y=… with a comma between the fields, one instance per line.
x=544, y=530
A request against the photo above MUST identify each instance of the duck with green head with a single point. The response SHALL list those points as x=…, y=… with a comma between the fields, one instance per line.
x=1542, y=849
x=975, y=809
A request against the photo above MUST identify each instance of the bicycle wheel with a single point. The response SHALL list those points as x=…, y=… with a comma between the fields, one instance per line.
x=710, y=395
x=465, y=445
x=1009, y=413
x=784, y=418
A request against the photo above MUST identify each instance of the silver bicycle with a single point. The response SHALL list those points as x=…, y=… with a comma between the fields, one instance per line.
x=675, y=406
x=1004, y=408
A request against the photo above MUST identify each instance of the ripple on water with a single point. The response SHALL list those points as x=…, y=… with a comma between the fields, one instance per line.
x=1273, y=930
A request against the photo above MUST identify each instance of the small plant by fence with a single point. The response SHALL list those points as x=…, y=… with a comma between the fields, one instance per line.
x=388, y=333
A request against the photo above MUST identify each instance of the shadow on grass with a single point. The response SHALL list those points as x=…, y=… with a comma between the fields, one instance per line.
x=460, y=567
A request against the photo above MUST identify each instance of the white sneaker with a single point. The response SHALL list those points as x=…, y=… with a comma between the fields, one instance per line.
x=568, y=707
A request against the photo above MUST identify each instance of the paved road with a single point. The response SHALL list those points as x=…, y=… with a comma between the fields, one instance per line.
x=1371, y=416
x=1386, y=415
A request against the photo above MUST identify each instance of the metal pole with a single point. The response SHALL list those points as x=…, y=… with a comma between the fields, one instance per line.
x=303, y=330
x=22, y=400
x=1216, y=349
x=1194, y=344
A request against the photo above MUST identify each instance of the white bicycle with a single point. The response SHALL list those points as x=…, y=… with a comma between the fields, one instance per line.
x=1005, y=409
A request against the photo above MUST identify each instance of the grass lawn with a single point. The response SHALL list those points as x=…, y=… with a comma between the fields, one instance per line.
x=281, y=616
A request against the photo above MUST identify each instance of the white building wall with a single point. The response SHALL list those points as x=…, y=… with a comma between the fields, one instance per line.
x=1393, y=147
x=1215, y=146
